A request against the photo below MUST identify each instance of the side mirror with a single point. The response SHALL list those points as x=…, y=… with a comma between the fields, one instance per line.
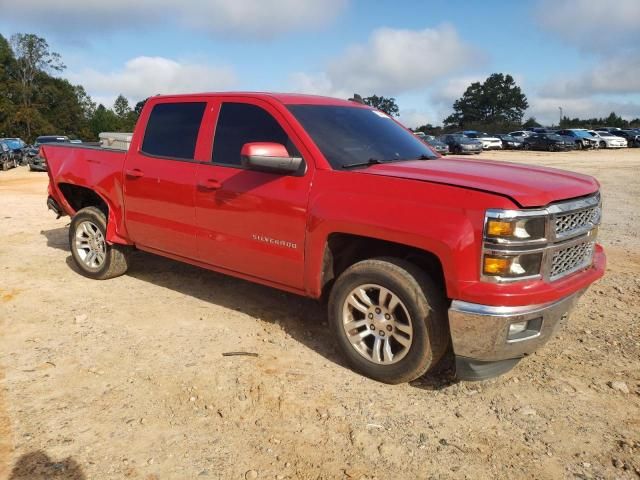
x=270, y=157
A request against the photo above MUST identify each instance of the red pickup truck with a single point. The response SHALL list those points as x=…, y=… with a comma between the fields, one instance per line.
x=417, y=256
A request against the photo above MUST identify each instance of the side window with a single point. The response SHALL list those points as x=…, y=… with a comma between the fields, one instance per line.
x=172, y=130
x=240, y=123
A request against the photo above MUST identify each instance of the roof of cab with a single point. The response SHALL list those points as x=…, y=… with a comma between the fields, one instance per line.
x=284, y=98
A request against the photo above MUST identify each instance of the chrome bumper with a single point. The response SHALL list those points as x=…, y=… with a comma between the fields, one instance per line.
x=481, y=332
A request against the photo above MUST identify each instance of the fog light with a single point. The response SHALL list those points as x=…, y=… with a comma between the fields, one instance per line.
x=526, y=330
x=516, y=328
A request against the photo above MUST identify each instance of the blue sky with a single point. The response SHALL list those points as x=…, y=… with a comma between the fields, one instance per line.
x=577, y=54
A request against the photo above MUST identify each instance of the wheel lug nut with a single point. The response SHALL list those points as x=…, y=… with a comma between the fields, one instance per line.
x=378, y=311
x=371, y=315
x=372, y=326
x=381, y=333
x=387, y=316
x=389, y=328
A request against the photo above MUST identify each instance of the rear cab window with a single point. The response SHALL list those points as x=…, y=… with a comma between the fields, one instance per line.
x=172, y=130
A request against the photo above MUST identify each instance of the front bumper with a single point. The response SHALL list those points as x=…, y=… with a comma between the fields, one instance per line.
x=480, y=333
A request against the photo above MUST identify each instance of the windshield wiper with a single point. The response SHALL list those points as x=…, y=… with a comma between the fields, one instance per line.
x=368, y=163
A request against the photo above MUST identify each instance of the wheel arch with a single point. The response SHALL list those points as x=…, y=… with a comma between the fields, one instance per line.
x=78, y=197
x=342, y=250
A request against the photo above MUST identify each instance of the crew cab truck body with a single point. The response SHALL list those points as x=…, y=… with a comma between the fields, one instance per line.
x=417, y=255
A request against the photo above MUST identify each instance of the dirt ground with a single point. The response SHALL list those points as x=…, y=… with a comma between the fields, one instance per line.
x=126, y=379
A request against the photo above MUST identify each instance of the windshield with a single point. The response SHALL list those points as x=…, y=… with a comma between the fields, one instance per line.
x=14, y=143
x=41, y=140
x=582, y=133
x=352, y=135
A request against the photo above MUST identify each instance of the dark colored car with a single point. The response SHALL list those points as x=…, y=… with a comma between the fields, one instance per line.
x=7, y=158
x=36, y=162
x=581, y=138
x=548, y=141
x=509, y=142
x=459, y=144
x=440, y=147
x=18, y=147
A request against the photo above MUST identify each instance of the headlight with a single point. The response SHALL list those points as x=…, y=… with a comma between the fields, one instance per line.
x=500, y=227
x=512, y=266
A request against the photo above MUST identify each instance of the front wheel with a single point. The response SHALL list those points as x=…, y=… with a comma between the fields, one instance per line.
x=389, y=319
x=603, y=145
x=92, y=254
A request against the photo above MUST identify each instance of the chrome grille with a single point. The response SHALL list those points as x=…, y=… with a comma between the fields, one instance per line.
x=571, y=259
x=577, y=220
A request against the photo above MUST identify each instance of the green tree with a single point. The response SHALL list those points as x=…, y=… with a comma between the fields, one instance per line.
x=103, y=120
x=531, y=122
x=33, y=58
x=498, y=100
x=121, y=106
x=139, y=106
x=7, y=89
x=387, y=105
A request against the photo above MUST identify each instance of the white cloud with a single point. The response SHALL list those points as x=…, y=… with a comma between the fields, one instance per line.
x=412, y=118
x=142, y=77
x=590, y=24
x=393, y=61
x=614, y=75
x=247, y=18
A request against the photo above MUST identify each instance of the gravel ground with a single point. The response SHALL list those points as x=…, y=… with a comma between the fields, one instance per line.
x=126, y=378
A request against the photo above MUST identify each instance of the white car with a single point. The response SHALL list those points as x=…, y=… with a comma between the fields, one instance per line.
x=488, y=142
x=521, y=134
x=608, y=140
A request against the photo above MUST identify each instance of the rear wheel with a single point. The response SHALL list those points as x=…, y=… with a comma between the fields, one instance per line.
x=92, y=254
x=5, y=165
x=389, y=319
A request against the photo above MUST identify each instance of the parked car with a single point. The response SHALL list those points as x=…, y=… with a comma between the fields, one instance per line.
x=440, y=147
x=461, y=144
x=18, y=147
x=608, y=140
x=417, y=255
x=580, y=137
x=7, y=158
x=36, y=162
x=509, y=142
x=489, y=142
x=548, y=141
x=631, y=136
x=520, y=134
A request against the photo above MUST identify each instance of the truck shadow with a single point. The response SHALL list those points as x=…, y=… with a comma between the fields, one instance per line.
x=302, y=318
x=38, y=466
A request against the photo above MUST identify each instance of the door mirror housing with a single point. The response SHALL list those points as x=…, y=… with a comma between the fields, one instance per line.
x=270, y=157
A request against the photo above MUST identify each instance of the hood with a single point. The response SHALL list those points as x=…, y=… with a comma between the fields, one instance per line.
x=527, y=185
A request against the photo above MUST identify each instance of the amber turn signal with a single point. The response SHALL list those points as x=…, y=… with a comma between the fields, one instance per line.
x=500, y=228
x=496, y=266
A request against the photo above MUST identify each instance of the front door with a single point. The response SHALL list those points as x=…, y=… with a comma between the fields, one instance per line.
x=249, y=221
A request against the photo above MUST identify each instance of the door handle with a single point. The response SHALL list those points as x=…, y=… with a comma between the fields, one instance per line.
x=210, y=184
x=135, y=173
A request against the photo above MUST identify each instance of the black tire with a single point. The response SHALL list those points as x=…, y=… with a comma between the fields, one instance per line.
x=603, y=144
x=579, y=145
x=551, y=147
x=5, y=165
x=426, y=306
x=116, y=258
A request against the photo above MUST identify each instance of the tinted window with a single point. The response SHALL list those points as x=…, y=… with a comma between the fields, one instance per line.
x=172, y=130
x=241, y=123
x=349, y=135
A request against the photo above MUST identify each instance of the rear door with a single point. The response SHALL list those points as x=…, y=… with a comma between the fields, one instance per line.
x=159, y=178
x=249, y=221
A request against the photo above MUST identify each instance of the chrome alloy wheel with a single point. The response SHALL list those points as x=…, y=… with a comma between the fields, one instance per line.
x=90, y=245
x=377, y=324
